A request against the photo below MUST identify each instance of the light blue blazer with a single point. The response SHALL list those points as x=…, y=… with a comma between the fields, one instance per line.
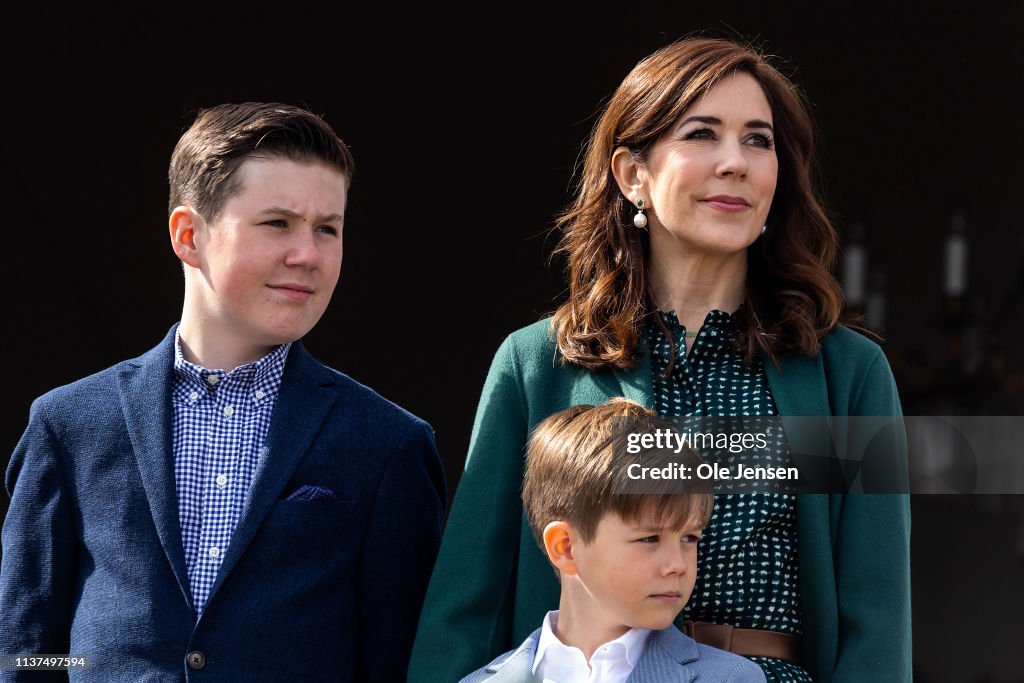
x=670, y=657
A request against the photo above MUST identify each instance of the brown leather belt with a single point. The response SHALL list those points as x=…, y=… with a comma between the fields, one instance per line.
x=749, y=642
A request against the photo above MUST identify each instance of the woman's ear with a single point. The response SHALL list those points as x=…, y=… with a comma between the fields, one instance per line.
x=183, y=223
x=629, y=174
x=558, y=540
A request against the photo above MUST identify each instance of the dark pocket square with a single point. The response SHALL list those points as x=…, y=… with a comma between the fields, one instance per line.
x=310, y=492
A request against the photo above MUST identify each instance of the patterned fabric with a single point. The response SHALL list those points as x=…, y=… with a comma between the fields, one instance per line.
x=220, y=423
x=747, y=572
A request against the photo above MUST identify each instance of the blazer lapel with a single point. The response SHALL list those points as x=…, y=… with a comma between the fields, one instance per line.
x=798, y=384
x=595, y=388
x=304, y=401
x=665, y=658
x=801, y=395
x=145, y=390
x=636, y=383
x=517, y=667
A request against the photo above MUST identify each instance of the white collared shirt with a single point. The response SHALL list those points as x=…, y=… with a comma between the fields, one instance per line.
x=556, y=662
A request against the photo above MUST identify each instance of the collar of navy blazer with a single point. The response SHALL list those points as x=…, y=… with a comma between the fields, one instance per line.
x=144, y=384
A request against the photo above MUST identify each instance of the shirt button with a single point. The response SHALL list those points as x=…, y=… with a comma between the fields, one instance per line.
x=194, y=396
x=222, y=480
x=259, y=395
x=213, y=379
x=196, y=660
x=228, y=411
x=214, y=552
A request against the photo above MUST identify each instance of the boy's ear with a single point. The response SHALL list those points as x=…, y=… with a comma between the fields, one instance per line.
x=558, y=540
x=183, y=223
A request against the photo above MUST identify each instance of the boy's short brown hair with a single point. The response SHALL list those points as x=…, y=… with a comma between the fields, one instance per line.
x=202, y=171
x=576, y=464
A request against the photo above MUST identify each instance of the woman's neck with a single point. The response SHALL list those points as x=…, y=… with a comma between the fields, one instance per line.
x=694, y=285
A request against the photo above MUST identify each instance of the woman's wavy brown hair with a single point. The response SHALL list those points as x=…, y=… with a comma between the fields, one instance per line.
x=792, y=299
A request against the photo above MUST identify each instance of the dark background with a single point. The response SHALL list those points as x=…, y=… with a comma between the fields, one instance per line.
x=466, y=129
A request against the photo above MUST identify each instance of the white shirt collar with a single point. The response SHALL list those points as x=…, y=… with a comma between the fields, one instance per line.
x=613, y=661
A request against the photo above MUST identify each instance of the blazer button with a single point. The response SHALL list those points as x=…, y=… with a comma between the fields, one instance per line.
x=196, y=660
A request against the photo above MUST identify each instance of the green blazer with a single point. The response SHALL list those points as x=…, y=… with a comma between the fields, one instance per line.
x=492, y=585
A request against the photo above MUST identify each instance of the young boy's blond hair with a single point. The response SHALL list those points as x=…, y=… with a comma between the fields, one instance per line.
x=576, y=472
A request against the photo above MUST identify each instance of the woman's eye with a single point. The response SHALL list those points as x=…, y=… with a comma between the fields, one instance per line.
x=277, y=223
x=762, y=141
x=328, y=229
x=700, y=134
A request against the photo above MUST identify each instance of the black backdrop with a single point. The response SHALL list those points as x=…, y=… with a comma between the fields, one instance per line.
x=466, y=129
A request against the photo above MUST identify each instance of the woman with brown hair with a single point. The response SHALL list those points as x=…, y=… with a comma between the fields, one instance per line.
x=699, y=285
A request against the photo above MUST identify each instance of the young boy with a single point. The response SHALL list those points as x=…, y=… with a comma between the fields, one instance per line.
x=224, y=507
x=626, y=561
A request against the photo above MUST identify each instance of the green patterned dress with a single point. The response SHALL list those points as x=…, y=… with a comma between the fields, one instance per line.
x=747, y=564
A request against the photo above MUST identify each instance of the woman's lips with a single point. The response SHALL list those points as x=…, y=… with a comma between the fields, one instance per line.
x=727, y=204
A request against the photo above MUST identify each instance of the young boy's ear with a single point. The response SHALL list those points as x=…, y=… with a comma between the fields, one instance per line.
x=183, y=224
x=558, y=540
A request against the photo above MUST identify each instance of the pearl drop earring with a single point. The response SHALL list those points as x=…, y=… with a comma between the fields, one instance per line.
x=640, y=220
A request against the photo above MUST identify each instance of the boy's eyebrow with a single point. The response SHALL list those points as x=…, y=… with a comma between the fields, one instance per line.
x=281, y=211
x=658, y=529
x=715, y=121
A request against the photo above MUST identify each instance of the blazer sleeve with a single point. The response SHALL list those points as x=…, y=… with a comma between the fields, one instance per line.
x=404, y=532
x=39, y=563
x=872, y=552
x=467, y=616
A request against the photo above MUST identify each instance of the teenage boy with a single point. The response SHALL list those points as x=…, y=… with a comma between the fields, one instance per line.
x=626, y=560
x=224, y=507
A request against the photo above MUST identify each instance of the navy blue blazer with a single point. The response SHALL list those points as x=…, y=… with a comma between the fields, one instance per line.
x=669, y=657
x=308, y=590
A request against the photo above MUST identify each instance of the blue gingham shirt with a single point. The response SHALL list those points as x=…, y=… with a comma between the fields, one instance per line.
x=220, y=425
